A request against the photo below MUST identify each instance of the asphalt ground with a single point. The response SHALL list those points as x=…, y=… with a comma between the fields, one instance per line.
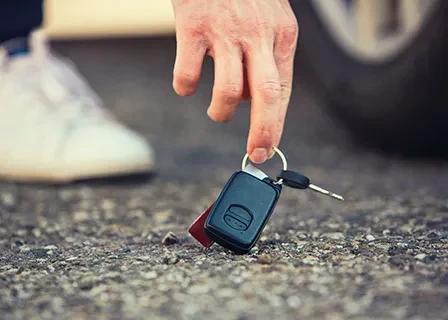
x=119, y=248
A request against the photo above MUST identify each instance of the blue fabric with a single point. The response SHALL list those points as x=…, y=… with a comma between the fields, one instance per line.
x=19, y=17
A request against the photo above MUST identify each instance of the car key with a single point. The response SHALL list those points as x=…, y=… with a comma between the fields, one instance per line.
x=297, y=180
x=238, y=217
x=196, y=229
x=242, y=210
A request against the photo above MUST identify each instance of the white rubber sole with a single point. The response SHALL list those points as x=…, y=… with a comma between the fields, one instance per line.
x=106, y=171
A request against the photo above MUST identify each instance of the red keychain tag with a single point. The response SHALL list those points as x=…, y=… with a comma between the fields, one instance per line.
x=197, y=228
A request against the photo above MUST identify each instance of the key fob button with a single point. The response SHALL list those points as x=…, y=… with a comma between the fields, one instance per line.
x=238, y=218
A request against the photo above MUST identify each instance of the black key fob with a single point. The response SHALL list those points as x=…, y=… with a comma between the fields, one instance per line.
x=242, y=210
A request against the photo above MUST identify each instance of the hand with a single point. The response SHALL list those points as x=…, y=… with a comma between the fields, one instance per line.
x=253, y=44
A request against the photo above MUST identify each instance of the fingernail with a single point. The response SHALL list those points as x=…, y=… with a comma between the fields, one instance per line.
x=259, y=155
x=271, y=153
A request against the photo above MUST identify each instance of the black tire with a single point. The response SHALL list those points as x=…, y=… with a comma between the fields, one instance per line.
x=398, y=106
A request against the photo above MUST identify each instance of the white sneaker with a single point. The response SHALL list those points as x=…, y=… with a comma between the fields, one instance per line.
x=53, y=128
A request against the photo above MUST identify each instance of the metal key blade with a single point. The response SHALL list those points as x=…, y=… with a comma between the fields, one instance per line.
x=326, y=192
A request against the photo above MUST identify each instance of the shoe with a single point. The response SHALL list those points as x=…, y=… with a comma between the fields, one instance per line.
x=54, y=128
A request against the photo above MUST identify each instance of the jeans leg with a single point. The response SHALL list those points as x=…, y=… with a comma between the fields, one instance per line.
x=19, y=17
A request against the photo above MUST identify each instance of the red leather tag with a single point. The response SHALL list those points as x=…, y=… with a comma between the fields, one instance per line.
x=197, y=228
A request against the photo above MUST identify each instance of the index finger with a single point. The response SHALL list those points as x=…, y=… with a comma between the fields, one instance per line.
x=265, y=88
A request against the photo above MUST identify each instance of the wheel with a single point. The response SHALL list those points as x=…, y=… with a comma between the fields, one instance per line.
x=381, y=65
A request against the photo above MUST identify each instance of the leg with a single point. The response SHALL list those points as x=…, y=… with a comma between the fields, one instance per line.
x=19, y=17
x=56, y=127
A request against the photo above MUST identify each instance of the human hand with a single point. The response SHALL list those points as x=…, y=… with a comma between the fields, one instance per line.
x=253, y=44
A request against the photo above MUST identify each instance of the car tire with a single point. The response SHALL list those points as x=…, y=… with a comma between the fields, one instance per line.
x=398, y=105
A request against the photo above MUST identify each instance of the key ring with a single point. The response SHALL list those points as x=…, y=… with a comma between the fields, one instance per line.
x=280, y=154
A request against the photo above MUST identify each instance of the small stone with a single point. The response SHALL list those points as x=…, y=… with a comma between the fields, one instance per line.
x=169, y=239
x=334, y=236
x=276, y=236
x=108, y=205
x=19, y=243
x=199, y=289
x=149, y=275
x=87, y=282
x=136, y=214
x=433, y=235
x=144, y=258
x=294, y=302
x=24, y=249
x=396, y=250
x=51, y=247
x=226, y=293
x=170, y=259
x=265, y=258
x=370, y=238
x=80, y=216
x=310, y=260
x=36, y=232
x=114, y=257
x=302, y=235
x=420, y=257
x=40, y=253
x=406, y=228
x=386, y=232
x=8, y=199
x=71, y=259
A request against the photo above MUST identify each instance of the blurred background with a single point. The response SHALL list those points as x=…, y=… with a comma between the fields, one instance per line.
x=373, y=69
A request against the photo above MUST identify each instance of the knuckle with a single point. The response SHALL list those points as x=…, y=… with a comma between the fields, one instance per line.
x=288, y=33
x=270, y=91
x=257, y=27
x=194, y=24
x=290, y=30
x=230, y=93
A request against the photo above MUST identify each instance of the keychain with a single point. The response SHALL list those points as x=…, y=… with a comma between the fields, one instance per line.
x=237, y=218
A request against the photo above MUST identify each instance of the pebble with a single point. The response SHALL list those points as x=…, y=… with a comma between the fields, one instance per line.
x=80, y=216
x=169, y=239
x=108, y=205
x=199, y=289
x=294, y=302
x=334, y=236
x=265, y=258
x=149, y=275
x=420, y=257
x=170, y=259
x=144, y=258
x=370, y=238
x=8, y=199
x=24, y=249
